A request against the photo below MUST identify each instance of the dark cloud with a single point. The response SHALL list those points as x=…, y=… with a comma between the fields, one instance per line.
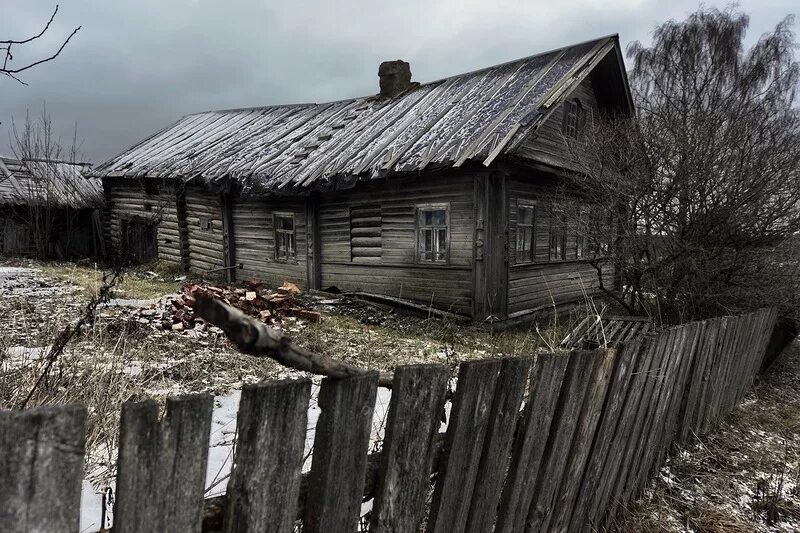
x=138, y=65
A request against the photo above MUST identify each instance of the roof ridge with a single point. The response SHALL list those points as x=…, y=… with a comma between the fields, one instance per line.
x=421, y=85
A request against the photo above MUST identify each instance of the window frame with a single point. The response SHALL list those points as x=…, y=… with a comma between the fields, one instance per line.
x=558, y=236
x=418, y=228
x=279, y=232
x=575, y=117
x=532, y=205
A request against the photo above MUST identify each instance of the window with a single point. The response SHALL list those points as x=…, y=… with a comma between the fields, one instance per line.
x=526, y=224
x=285, y=249
x=574, y=119
x=204, y=222
x=433, y=234
x=558, y=236
x=365, y=234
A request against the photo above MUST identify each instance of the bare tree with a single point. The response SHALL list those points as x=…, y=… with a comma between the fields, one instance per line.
x=703, y=185
x=9, y=46
x=55, y=189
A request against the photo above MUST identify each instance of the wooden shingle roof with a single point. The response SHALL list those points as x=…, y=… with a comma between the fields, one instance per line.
x=477, y=116
x=54, y=183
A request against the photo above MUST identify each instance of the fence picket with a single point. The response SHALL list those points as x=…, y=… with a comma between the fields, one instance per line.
x=565, y=421
x=41, y=467
x=528, y=448
x=339, y=462
x=631, y=440
x=263, y=491
x=582, y=441
x=415, y=411
x=162, y=465
x=469, y=420
x=619, y=388
x=509, y=390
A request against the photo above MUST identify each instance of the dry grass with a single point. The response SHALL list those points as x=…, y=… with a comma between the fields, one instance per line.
x=744, y=477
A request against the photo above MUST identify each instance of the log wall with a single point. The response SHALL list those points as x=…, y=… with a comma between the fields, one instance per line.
x=206, y=249
x=128, y=199
x=254, y=237
x=396, y=272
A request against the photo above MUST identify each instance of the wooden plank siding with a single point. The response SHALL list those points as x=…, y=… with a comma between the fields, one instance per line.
x=129, y=200
x=397, y=272
x=545, y=281
x=206, y=248
x=547, y=144
x=254, y=237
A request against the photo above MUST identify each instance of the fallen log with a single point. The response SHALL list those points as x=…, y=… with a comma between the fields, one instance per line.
x=253, y=337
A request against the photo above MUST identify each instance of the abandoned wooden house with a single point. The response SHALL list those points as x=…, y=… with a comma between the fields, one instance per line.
x=438, y=193
x=49, y=209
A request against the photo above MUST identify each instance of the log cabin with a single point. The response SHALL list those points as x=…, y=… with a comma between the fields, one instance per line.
x=438, y=193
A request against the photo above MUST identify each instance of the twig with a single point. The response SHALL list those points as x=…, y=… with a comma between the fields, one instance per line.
x=73, y=329
x=9, y=43
x=254, y=338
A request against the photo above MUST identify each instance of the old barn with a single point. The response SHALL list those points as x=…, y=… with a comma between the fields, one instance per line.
x=438, y=193
x=49, y=209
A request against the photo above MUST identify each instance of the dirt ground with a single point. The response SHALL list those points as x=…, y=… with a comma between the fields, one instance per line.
x=745, y=476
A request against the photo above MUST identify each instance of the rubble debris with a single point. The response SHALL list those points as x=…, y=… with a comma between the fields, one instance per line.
x=271, y=306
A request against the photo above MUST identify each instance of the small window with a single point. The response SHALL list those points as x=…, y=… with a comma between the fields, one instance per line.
x=558, y=237
x=151, y=187
x=526, y=223
x=434, y=232
x=574, y=119
x=205, y=223
x=285, y=249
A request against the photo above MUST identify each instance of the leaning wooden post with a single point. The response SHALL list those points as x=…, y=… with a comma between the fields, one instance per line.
x=415, y=412
x=41, y=467
x=264, y=487
x=162, y=465
x=339, y=462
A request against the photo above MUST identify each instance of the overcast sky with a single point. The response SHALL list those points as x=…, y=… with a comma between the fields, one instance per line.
x=139, y=65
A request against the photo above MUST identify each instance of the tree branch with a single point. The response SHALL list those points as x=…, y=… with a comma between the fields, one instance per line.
x=254, y=338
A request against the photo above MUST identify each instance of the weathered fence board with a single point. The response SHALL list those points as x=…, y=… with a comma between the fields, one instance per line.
x=629, y=448
x=340, y=453
x=162, y=465
x=415, y=412
x=509, y=390
x=458, y=467
x=578, y=455
x=265, y=481
x=528, y=449
x=565, y=421
x=41, y=467
x=624, y=368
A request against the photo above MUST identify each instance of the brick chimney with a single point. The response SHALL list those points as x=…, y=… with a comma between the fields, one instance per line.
x=395, y=77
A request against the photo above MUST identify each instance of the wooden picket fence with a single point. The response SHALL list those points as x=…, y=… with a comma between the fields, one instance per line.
x=556, y=442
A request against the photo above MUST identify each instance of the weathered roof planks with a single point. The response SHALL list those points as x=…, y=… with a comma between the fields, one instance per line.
x=284, y=149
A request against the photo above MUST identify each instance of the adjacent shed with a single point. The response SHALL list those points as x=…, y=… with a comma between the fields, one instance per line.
x=49, y=209
x=442, y=193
